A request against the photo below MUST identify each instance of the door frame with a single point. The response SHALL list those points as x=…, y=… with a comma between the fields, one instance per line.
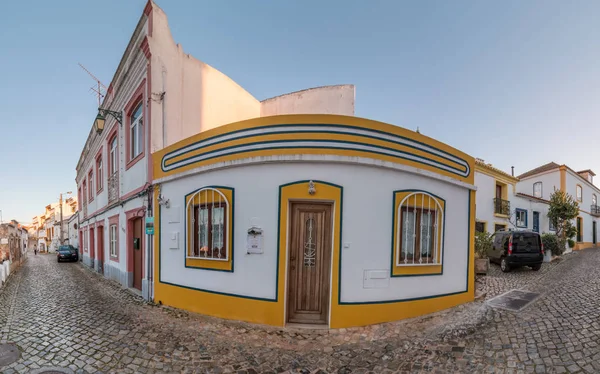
x=290, y=202
x=130, y=217
x=534, y=215
x=92, y=245
x=100, y=246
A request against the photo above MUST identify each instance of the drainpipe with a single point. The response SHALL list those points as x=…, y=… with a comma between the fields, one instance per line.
x=164, y=125
x=512, y=171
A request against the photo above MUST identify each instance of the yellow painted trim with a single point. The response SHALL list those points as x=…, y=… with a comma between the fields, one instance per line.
x=218, y=305
x=420, y=203
x=347, y=315
x=327, y=120
x=299, y=192
x=583, y=245
x=563, y=178
x=501, y=215
x=496, y=175
x=211, y=264
x=501, y=224
x=504, y=189
x=314, y=136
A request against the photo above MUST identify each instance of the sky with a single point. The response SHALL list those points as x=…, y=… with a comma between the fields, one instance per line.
x=516, y=83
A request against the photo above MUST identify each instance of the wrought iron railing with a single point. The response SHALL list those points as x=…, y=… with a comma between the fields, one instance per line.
x=113, y=187
x=595, y=210
x=501, y=206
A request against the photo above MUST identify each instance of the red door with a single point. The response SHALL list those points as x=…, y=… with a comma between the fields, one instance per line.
x=92, y=245
x=80, y=244
x=137, y=253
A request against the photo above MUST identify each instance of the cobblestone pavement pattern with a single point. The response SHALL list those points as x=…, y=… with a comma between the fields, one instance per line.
x=64, y=315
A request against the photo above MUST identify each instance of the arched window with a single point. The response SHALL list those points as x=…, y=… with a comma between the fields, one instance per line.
x=420, y=225
x=537, y=189
x=208, y=211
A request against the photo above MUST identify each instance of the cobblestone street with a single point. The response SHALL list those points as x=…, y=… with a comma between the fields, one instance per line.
x=64, y=315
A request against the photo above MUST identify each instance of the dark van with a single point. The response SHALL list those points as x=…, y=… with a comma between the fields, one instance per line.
x=518, y=248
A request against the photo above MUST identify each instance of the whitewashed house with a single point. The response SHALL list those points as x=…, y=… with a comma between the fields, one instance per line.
x=541, y=182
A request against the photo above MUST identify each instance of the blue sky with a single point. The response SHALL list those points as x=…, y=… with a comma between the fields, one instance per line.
x=512, y=82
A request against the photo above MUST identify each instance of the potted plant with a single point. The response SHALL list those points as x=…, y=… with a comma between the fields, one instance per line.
x=551, y=246
x=483, y=243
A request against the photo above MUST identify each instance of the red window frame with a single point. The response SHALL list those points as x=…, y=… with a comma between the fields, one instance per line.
x=136, y=99
x=99, y=173
x=91, y=185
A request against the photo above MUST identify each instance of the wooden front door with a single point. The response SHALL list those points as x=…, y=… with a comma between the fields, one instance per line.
x=100, y=249
x=309, y=264
x=137, y=253
x=92, y=246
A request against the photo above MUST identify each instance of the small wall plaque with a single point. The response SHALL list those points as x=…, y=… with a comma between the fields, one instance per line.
x=254, y=240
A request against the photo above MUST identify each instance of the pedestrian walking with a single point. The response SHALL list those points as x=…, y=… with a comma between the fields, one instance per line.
x=35, y=249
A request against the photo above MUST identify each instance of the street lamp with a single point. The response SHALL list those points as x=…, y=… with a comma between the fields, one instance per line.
x=101, y=119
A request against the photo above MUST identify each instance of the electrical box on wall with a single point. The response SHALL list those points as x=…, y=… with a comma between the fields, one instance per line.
x=174, y=240
x=376, y=278
x=254, y=240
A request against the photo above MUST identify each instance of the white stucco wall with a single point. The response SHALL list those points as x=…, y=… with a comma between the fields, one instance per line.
x=198, y=97
x=319, y=100
x=367, y=229
x=550, y=183
x=573, y=180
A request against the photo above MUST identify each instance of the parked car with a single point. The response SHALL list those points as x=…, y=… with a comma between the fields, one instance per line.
x=67, y=253
x=513, y=249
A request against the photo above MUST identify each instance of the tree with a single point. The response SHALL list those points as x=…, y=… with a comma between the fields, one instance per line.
x=563, y=209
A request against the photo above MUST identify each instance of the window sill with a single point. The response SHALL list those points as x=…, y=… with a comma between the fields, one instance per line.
x=114, y=258
x=501, y=215
x=418, y=270
x=205, y=264
x=134, y=161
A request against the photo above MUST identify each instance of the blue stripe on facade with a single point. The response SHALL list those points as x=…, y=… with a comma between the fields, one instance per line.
x=426, y=148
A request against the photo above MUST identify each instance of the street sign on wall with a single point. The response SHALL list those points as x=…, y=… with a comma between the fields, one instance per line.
x=149, y=225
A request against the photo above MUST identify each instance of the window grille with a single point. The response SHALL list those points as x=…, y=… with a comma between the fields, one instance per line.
x=420, y=218
x=207, y=212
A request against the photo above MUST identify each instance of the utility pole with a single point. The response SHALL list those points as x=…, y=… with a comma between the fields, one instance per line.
x=61, y=219
x=61, y=240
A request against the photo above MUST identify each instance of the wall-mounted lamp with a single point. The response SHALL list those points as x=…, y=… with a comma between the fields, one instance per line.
x=101, y=119
x=162, y=201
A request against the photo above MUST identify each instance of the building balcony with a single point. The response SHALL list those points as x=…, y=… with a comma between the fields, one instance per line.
x=501, y=207
x=595, y=210
x=113, y=187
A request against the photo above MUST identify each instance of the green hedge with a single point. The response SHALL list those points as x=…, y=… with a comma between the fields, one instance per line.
x=552, y=243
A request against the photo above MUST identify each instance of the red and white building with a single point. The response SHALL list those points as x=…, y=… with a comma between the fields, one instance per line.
x=163, y=96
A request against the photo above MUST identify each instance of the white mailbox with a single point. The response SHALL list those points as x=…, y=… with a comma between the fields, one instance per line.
x=254, y=240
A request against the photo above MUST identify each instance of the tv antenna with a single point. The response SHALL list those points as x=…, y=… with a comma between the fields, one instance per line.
x=99, y=89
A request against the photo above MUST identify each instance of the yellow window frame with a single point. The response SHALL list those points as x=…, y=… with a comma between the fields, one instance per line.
x=209, y=264
x=416, y=269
